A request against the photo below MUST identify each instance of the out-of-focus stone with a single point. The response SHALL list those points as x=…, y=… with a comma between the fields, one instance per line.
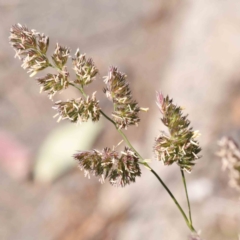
x=14, y=156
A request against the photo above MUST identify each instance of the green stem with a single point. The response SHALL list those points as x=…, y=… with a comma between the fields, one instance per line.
x=174, y=199
x=79, y=88
x=188, y=221
x=186, y=192
x=108, y=118
x=130, y=145
x=189, y=224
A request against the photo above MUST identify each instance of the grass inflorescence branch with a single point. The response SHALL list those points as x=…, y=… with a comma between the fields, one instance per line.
x=118, y=167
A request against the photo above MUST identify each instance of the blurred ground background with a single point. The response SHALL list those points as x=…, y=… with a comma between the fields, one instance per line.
x=189, y=49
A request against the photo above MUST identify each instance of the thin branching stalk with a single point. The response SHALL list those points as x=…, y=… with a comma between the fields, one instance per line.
x=188, y=222
x=186, y=192
x=119, y=168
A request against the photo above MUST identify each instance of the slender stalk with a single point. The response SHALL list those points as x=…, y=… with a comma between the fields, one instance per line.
x=108, y=118
x=143, y=162
x=130, y=145
x=186, y=192
x=79, y=88
x=189, y=223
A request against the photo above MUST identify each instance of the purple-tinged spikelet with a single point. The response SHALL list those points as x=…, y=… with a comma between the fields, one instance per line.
x=125, y=108
x=84, y=68
x=79, y=110
x=180, y=145
x=30, y=47
x=119, y=168
x=60, y=56
x=53, y=83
